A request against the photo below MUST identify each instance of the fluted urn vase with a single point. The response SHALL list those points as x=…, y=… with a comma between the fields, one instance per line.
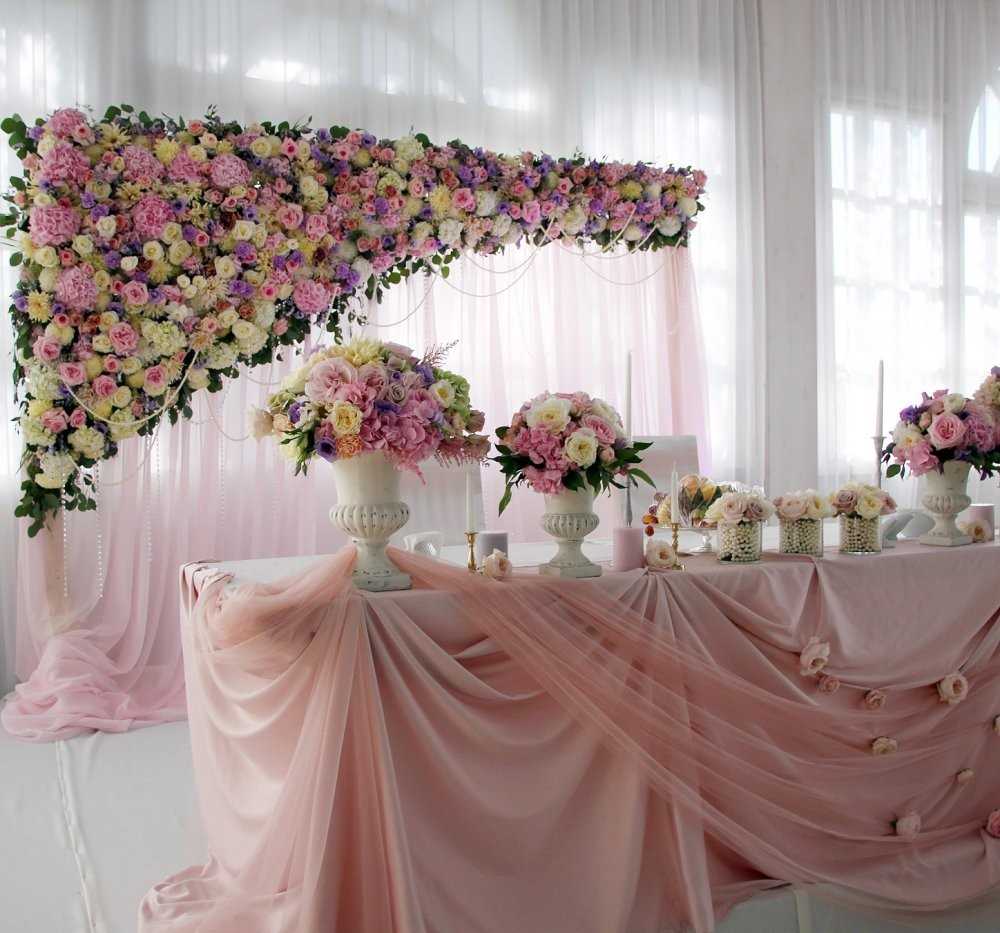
x=944, y=497
x=369, y=511
x=569, y=517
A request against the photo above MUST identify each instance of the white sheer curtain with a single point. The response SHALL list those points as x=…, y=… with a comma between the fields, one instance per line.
x=666, y=81
x=908, y=212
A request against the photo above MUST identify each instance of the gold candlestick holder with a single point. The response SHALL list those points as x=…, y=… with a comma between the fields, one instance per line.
x=675, y=544
x=470, y=536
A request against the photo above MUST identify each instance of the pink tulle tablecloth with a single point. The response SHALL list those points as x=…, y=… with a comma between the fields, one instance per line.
x=632, y=754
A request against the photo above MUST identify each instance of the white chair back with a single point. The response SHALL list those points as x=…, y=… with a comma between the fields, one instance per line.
x=438, y=503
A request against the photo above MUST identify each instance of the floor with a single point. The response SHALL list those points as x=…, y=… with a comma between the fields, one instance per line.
x=88, y=825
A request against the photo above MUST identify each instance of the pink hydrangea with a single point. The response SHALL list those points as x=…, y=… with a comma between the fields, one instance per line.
x=548, y=482
x=76, y=288
x=65, y=162
x=150, y=216
x=408, y=438
x=141, y=163
x=229, y=170
x=66, y=122
x=543, y=448
x=183, y=168
x=310, y=296
x=979, y=433
x=53, y=224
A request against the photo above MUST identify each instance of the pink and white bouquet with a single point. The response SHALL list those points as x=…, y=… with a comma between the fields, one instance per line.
x=567, y=440
x=945, y=426
x=804, y=504
x=371, y=396
x=735, y=508
x=861, y=500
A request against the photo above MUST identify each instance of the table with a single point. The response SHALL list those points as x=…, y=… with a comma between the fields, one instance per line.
x=632, y=753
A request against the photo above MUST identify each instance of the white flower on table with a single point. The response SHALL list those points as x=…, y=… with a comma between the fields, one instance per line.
x=660, y=555
x=497, y=565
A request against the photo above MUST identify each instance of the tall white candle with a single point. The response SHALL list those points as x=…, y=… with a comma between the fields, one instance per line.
x=628, y=395
x=675, y=512
x=881, y=398
x=470, y=509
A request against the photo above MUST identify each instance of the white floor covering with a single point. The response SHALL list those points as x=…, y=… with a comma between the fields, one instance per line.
x=88, y=825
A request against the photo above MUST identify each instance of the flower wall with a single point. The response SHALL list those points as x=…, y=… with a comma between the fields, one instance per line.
x=157, y=255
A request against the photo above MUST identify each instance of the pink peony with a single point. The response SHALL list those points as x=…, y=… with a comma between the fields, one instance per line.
x=141, y=163
x=993, y=824
x=604, y=432
x=47, y=349
x=123, y=337
x=135, y=293
x=150, y=216
x=73, y=374
x=325, y=378
x=953, y=688
x=66, y=122
x=813, y=658
x=311, y=296
x=875, y=699
x=53, y=224
x=908, y=825
x=76, y=288
x=65, y=163
x=922, y=459
x=104, y=386
x=947, y=430
x=55, y=420
x=357, y=394
x=228, y=171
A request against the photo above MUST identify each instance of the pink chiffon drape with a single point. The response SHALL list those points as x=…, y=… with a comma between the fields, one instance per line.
x=97, y=641
x=633, y=753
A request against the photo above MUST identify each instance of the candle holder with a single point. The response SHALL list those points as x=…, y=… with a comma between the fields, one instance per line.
x=470, y=536
x=878, y=440
x=675, y=544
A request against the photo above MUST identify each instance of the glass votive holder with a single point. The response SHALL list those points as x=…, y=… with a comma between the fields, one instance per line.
x=739, y=543
x=801, y=536
x=860, y=535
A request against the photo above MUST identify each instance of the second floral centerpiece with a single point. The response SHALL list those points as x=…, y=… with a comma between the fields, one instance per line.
x=372, y=409
x=569, y=447
x=860, y=507
x=739, y=517
x=800, y=517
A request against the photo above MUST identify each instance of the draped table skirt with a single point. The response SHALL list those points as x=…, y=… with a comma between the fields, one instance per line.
x=634, y=753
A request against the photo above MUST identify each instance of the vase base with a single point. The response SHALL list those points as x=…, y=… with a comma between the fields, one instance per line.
x=945, y=540
x=571, y=571
x=381, y=582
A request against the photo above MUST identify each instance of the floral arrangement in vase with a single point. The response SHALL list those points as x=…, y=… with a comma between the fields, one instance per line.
x=800, y=516
x=567, y=441
x=988, y=395
x=859, y=506
x=369, y=396
x=739, y=517
x=695, y=495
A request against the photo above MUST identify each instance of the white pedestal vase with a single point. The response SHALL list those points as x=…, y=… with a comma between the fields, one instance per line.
x=369, y=511
x=944, y=497
x=569, y=517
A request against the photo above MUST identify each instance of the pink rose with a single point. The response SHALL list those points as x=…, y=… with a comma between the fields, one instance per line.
x=47, y=349
x=228, y=171
x=55, y=420
x=150, y=216
x=155, y=380
x=953, y=688
x=135, y=293
x=104, y=386
x=946, y=430
x=908, y=825
x=289, y=216
x=875, y=699
x=112, y=364
x=280, y=327
x=76, y=288
x=73, y=374
x=53, y=224
x=884, y=745
x=77, y=418
x=315, y=226
x=844, y=501
x=64, y=162
x=604, y=432
x=813, y=658
x=922, y=459
x=311, y=296
x=141, y=163
x=123, y=336
x=993, y=824
x=754, y=511
x=464, y=199
x=828, y=683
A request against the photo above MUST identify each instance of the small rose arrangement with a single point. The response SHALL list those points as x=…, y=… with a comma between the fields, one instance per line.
x=861, y=500
x=373, y=396
x=945, y=426
x=567, y=440
x=661, y=556
x=804, y=504
x=735, y=508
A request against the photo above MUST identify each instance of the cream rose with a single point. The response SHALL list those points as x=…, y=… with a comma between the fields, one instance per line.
x=345, y=418
x=581, y=447
x=496, y=565
x=551, y=413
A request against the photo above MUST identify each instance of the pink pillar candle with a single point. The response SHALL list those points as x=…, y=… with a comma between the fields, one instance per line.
x=628, y=552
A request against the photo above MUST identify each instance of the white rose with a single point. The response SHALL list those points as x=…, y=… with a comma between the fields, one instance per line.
x=551, y=413
x=129, y=263
x=197, y=378
x=496, y=565
x=660, y=555
x=409, y=148
x=347, y=250
x=450, y=232
x=581, y=447
x=501, y=225
x=225, y=267
x=363, y=268
x=954, y=402
x=669, y=225
x=107, y=227
x=869, y=506
x=633, y=233
x=345, y=418
x=574, y=220
x=172, y=232
x=244, y=229
x=47, y=257
x=152, y=250
x=486, y=202
x=261, y=423
x=513, y=235
x=308, y=186
x=688, y=205
x=179, y=251
x=83, y=245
